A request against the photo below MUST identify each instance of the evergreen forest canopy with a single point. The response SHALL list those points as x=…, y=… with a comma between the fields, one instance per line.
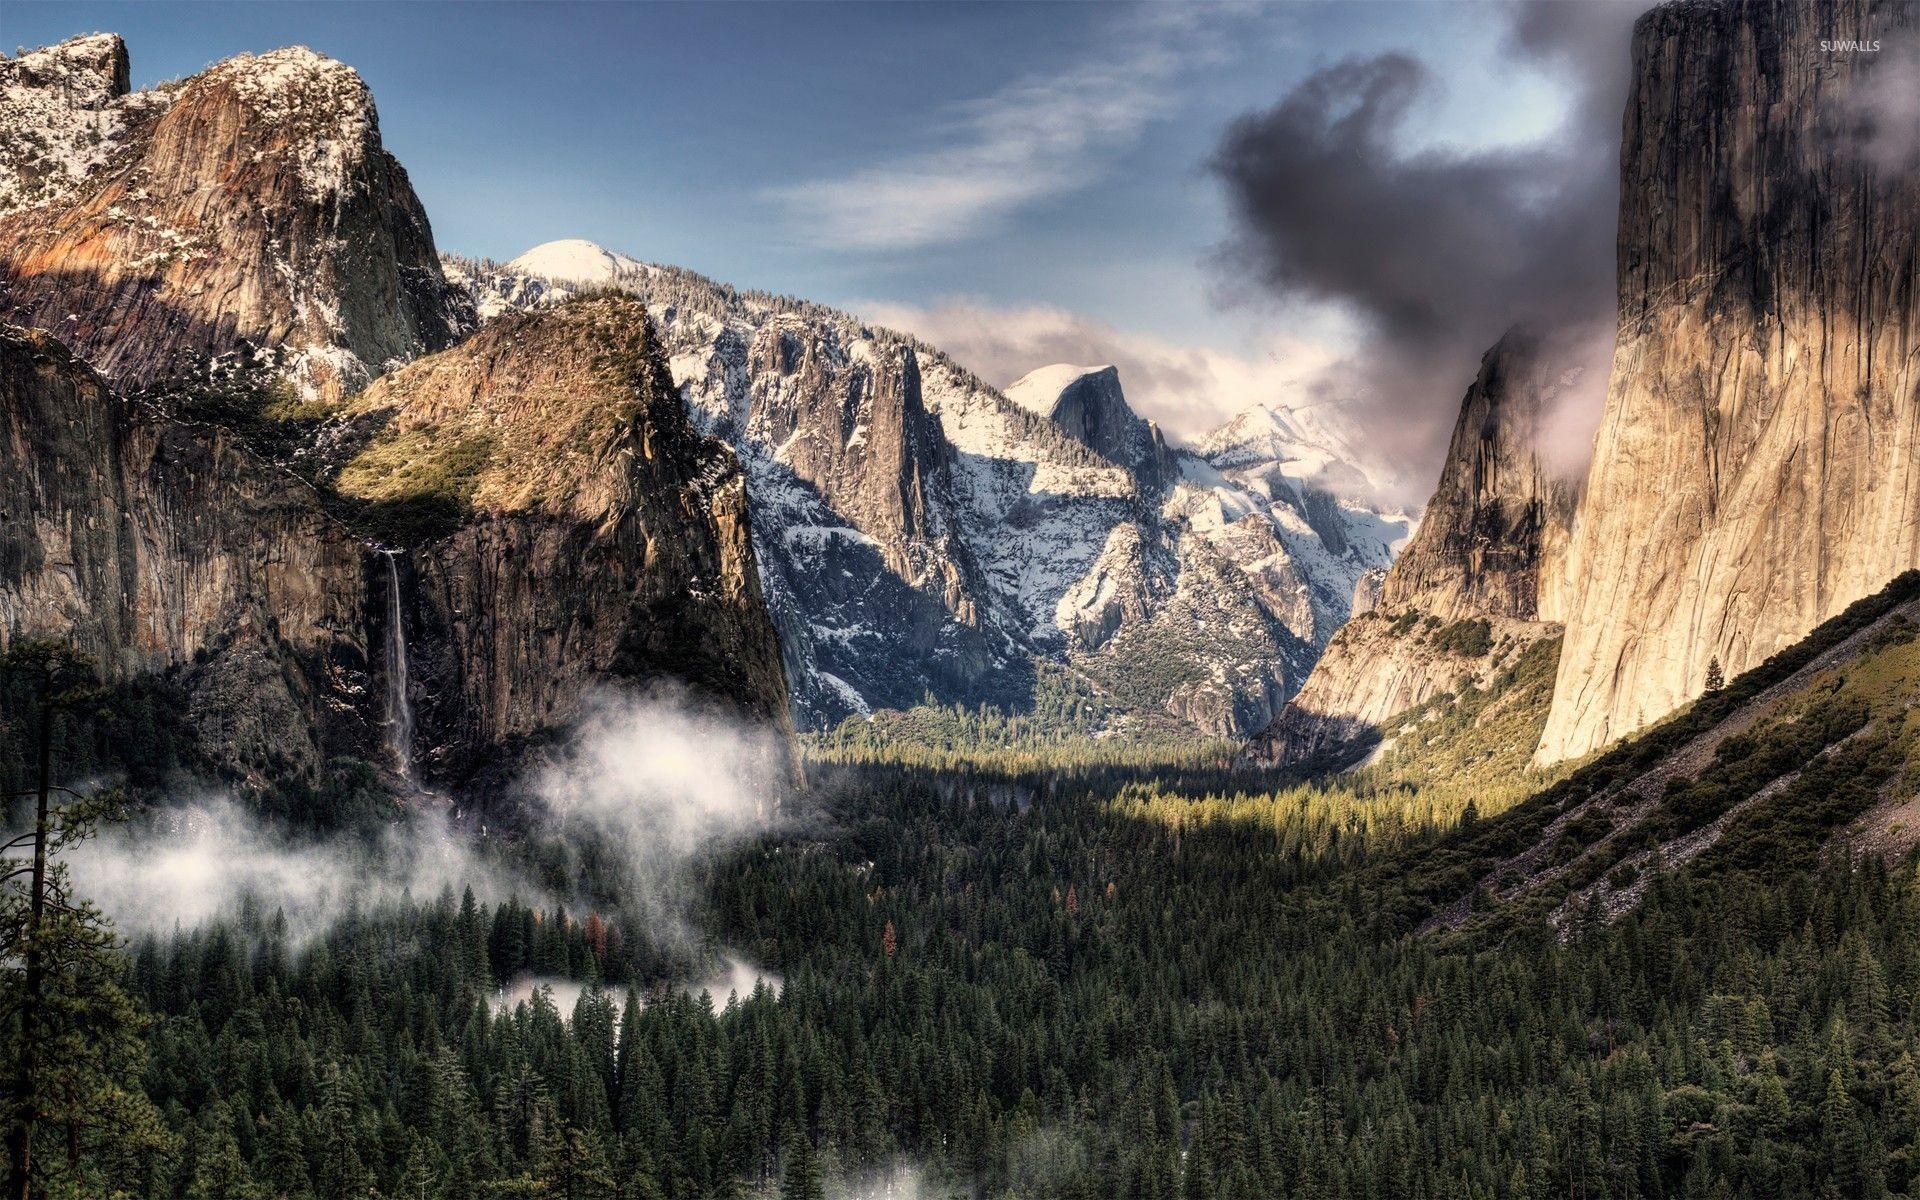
x=1010, y=977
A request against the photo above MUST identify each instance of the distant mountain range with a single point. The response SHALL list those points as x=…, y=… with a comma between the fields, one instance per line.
x=923, y=536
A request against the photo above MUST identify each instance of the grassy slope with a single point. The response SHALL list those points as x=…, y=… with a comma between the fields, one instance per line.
x=1834, y=738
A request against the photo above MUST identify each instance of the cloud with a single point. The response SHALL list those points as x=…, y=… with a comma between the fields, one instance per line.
x=1436, y=251
x=1881, y=111
x=1189, y=390
x=1042, y=136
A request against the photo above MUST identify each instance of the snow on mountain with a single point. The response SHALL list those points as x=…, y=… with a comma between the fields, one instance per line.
x=1039, y=390
x=1312, y=443
x=64, y=110
x=576, y=260
x=920, y=533
x=246, y=215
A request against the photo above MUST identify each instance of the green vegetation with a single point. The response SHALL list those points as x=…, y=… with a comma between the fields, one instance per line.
x=1065, y=730
x=69, y=1036
x=1425, y=880
x=1100, y=983
x=415, y=487
x=1057, y=1001
x=1467, y=639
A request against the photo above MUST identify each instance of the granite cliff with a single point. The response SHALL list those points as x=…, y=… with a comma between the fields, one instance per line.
x=248, y=212
x=1758, y=467
x=564, y=526
x=196, y=486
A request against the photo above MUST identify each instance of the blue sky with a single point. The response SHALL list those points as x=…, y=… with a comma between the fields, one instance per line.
x=942, y=166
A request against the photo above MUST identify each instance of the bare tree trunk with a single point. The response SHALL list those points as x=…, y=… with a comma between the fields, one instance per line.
x=20, y=1137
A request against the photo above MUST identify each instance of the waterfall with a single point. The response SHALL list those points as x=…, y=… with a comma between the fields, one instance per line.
x=399, y=714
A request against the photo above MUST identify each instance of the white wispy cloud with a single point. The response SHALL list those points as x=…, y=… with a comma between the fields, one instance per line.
x=1041, y=136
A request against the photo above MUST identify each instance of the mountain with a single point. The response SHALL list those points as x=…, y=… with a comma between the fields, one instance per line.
x=1478, y=585
x=922, y=535
x=433, y=573
x=1310, y=443
x=566, y=525
x=1087, y=404
x=1758, y=468
x=247, y=213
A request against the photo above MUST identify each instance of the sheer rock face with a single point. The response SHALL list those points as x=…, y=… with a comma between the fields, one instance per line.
x=1490, y=548
x=599, y=540
x=248, y=209
x=566, y=526
x=1088, y=405
x=603, y=539
x=1758, y=467
x=862, y=534
x=161, y=547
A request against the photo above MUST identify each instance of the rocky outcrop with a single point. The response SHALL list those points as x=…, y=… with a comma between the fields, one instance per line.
x=1474, y=588
x=1758, y=467
x=574, y=530
x=248, y=211
x=1499, y=516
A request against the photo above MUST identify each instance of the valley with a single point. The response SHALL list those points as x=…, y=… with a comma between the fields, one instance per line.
x=564, y=727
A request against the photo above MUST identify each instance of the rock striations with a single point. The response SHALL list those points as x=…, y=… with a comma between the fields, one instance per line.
x=248, y=211
x=1758, y=467
x=1478, y=583
x=162, y=547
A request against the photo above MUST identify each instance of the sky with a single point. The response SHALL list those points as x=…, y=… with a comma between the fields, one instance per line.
x=1018, y=183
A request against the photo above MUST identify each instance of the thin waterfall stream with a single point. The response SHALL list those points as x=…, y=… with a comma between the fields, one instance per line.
x=399, y=709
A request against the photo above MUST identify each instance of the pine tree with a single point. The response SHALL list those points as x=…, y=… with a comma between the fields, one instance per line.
x=801, y=1180
x=72, y=1036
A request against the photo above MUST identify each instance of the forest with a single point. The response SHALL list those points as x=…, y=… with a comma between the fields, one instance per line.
x=974, y=982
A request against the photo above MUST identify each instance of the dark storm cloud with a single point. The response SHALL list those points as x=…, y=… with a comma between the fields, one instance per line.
x=1438, y=251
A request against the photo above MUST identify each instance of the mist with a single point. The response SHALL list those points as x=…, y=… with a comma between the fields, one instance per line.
x=186, y=865
x=658, y=778
x=1879, y=116
x=642, y=784
x=735, y=979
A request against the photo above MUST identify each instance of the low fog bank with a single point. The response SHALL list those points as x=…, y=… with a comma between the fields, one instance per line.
x=640, y=787
x=210, y=857
x=736, y=978
x=655, y=780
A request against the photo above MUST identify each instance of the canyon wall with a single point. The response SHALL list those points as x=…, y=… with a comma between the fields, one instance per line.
x=1758, y=467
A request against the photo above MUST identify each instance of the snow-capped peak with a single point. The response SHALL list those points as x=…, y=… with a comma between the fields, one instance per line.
x=1313, y=443
x=1039, y=390
x=577, y=260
